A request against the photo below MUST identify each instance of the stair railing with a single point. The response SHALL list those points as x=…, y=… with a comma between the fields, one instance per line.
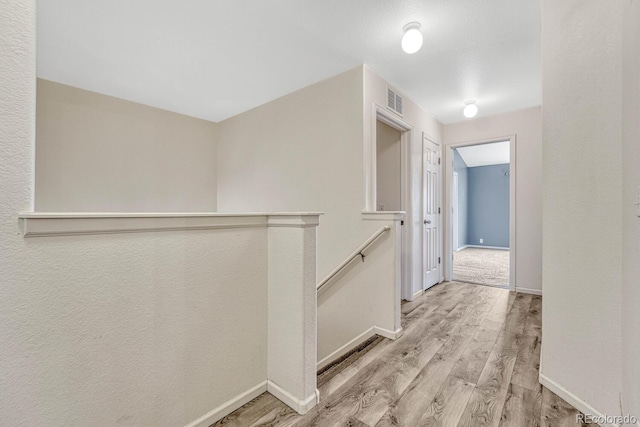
x=324, y=284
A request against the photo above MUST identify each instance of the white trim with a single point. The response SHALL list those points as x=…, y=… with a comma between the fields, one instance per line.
x=416, y=294
x=513, y=217
x=571, y=398
x=383, y=215
x=448, y=171
x=349, y=346
x=392, y=335
x=528, y=291
x=301, y=406
x=406, y=129
x=358, y=341
x=41, y=224
x=455, y=222
x=229, y=406
x=385, y=116
x=292, y=220
x=157, y=214
x=485, y=247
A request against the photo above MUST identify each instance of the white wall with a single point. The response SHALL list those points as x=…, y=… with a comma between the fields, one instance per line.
x=582, y=195
x=527, y=126
x=103, y=154
x=360, y=303
x=375, y=92
x=631, y=221
x=304, y=152
x=135, y=329
x=387, y=167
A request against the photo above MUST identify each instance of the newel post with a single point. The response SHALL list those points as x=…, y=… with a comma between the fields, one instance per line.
x=292, y=310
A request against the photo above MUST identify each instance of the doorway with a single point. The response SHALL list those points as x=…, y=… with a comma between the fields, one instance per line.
x=480, y=238
x=388, y=168
x=389, y=178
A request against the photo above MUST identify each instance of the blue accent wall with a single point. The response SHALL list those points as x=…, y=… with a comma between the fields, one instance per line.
x=488, y=205
x=461, y=168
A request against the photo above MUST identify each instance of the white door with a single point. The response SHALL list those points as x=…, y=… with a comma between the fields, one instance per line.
x=431, y=212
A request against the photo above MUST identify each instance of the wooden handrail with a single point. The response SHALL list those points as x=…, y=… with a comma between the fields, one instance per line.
x=321, y=287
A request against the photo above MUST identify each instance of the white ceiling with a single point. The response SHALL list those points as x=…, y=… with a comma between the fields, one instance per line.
x=496, y=153
x=213, y=59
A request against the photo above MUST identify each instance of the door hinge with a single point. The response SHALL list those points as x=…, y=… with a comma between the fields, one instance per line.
x=438, y=210
x=402, y=222
x=438, y=160
x=438, y=260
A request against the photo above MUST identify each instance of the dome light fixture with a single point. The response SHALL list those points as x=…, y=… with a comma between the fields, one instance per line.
x=412, y=39
x=470, y=109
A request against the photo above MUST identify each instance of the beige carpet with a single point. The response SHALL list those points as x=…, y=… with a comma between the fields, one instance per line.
x=483, y=266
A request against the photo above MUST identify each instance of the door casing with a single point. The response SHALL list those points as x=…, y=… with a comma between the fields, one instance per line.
x=406, y=132
x=455, y=221
x=448, y=203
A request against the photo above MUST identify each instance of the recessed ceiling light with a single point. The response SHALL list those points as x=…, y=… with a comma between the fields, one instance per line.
x=412, y=39
x=470, y=109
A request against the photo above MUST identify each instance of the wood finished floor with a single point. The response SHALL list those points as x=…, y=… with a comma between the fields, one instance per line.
x=469, y=357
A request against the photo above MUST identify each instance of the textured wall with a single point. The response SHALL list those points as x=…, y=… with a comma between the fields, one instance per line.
x=631, y=221
x=137, y=329
x=96, y=153
x=302, y=152
x=363, y=297
x=526, y=125
x=582, y=181
x=488, y=216
x=375, y=91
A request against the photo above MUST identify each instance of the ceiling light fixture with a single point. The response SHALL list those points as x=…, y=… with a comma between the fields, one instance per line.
x=470, y=109
x=412, y=39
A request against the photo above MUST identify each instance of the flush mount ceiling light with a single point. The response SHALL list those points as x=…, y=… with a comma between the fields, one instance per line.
x=412, y=39
x=470, y=109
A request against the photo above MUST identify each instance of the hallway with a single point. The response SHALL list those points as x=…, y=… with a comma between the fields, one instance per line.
x=469, y=357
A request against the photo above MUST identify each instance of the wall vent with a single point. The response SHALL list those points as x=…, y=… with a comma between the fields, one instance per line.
x=394, y=101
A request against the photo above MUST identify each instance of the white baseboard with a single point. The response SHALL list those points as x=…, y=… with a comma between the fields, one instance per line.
x=229, y=406
x=571, y=398
x=485, y=247
x=461, y=248
x=354, y=343
x=357, y=341
x=388, y=333
x=529, y=291
x=301, y=406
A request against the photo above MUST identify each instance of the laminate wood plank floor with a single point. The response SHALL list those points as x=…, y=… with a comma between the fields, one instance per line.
x=469, y=356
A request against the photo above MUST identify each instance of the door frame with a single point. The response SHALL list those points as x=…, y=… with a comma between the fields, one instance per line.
x=455, y=213
x=448, y=216
x=441, y=277
x=406, y=134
